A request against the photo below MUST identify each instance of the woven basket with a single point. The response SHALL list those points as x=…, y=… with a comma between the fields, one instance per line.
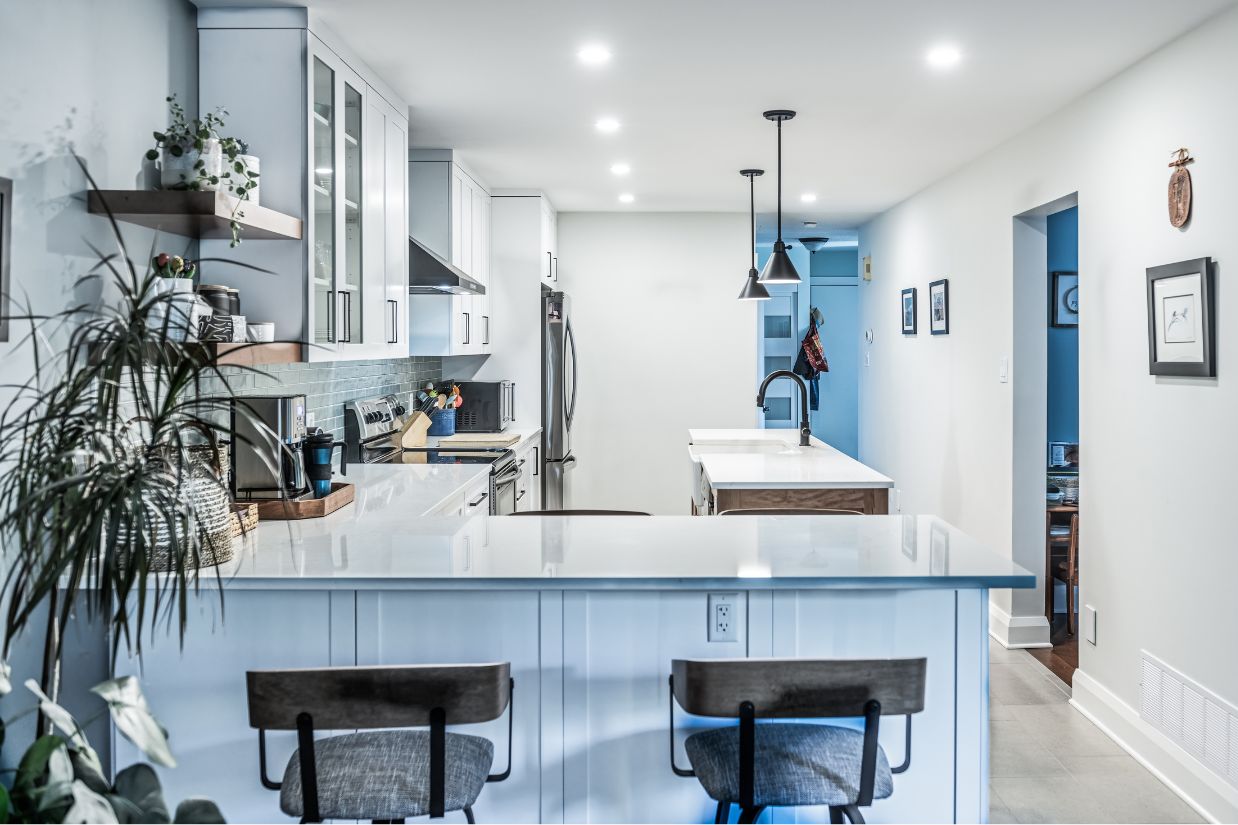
x=244, y=519
x=205, y=490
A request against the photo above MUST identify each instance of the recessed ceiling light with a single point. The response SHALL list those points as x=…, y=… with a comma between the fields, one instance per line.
x=627, y=197
x=620, y=169
x=607, y=125
x=594, y=54
x=943, y=57
x=808, y=197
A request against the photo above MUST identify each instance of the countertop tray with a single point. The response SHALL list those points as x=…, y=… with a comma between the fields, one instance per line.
x=290, y=509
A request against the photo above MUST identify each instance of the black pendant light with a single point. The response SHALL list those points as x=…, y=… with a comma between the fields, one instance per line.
x=779, y=269
x=753, y=289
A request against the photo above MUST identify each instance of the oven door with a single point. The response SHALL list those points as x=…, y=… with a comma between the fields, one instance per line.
x=503, y=502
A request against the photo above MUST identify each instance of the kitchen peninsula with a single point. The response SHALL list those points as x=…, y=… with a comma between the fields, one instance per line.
x=590, y=612
x=736, y=470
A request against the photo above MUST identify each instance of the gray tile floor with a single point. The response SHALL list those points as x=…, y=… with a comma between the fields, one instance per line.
x=1048, y=763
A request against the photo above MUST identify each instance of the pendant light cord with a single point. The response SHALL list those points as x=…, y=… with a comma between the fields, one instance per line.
x=752, y=221
x=780, y=181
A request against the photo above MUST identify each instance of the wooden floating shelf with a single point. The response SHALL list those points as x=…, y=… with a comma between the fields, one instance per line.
x=226, y=354
x=194, y=214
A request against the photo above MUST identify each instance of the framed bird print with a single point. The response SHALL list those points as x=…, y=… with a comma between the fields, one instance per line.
x=1181, y=317
x=939, y=307
x=909, y=311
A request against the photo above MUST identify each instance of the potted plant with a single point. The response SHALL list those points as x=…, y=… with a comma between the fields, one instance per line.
x=111, y=494
x=175, y=277
x=194, y=156
x=189, y=151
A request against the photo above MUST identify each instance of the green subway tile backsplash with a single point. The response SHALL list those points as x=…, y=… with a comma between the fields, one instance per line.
x=327, y=386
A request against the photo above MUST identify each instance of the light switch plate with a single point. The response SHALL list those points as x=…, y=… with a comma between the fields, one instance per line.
x=868, y=359
x=1088, y=620
x=1003, y=370
x=309, y=419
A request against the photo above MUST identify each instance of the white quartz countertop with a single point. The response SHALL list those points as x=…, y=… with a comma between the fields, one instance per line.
x=419, y=488
x=378, y=542
x=772, y=459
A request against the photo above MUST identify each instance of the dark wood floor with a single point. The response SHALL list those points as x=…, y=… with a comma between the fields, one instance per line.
x=1063, y=657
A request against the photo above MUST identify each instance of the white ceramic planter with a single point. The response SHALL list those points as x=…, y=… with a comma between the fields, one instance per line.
x=177, y=172
x=251, y=163
x=177, y=307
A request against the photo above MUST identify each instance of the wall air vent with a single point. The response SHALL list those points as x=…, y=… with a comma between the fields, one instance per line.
x=1193, y=717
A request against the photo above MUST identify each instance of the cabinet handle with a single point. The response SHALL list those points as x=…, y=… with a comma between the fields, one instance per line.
x=520, y=495
x=555, y=267
x=511, y=403
x=478, y=500
x=536, y=463
x=550, y=266
x=467, y=325
x=485, y=329
x=395, y=322
x=331, y=314
x=347, y=325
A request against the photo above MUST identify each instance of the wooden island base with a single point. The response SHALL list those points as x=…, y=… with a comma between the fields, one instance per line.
x=871, y=501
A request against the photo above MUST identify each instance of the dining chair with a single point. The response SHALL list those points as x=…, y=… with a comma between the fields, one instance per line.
x=1067, y=571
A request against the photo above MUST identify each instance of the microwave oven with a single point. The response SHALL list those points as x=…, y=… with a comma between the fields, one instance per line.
x=488, y=407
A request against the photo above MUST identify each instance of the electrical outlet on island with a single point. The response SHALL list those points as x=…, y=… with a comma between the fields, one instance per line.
x=723, y=617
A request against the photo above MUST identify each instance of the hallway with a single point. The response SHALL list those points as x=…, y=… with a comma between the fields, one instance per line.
x=1048, y=763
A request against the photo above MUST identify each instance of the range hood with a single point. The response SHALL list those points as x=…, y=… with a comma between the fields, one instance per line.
x=428, y=274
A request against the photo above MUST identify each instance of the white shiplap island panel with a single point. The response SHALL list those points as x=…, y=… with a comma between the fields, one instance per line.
x=590, y=612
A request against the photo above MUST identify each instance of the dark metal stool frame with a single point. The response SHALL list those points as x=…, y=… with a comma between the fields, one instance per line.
x=415, y=714
x=841, y=699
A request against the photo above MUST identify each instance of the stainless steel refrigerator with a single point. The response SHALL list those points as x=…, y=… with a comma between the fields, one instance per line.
x=558, y=396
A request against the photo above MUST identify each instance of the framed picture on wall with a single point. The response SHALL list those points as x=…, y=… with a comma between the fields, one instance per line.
x=1065, y=310
x=1180, y=319
x=909, y=311
x=939, y=307
x=6, y=252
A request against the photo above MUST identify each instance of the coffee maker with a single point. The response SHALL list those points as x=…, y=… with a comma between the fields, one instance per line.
x=268, y=435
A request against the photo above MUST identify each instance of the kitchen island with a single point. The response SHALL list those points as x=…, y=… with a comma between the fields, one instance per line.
x=769, y=469
x=590, y=611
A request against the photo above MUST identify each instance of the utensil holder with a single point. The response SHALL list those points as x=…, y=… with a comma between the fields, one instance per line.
x=442, y=422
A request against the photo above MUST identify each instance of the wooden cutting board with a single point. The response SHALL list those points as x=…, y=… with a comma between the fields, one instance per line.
x=479, y=440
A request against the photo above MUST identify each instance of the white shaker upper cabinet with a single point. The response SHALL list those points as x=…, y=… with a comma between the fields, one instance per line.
x=449, y=213
x=328, y=131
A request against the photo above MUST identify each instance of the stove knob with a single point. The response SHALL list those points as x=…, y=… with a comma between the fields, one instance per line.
x=400, y=409
x=371, y=417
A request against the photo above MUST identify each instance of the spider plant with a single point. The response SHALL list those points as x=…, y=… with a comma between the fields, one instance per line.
x=98, y=450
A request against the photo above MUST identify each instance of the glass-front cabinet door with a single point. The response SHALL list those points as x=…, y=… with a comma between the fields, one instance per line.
x=322, y=200
x=337, y=104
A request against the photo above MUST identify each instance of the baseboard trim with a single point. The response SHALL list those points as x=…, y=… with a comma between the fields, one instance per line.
x=1210, y=796
x=1018, y=631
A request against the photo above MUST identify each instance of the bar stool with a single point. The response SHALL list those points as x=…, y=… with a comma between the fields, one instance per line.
x=381, y=775
x=777, y=764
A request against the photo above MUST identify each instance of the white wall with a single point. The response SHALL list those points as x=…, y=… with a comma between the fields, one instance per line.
x=663, y=346
x=92, y=76
x=1158, y=558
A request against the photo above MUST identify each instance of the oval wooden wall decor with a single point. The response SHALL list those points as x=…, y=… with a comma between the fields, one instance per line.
x=1180, y=188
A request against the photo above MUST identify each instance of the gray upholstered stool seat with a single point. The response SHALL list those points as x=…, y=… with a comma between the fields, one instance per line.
x=385, y=774
x=796, y=764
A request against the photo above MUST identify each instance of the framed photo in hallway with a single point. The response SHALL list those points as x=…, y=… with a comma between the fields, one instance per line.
x=1181, y=316
x=1065, y=299
x=909, y=311
x=6, y=254
x=939, y=307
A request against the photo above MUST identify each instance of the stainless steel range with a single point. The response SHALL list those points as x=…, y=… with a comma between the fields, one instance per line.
x=369, y=427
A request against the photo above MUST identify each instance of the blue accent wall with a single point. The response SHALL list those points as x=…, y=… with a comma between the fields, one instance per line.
x=1063, y=243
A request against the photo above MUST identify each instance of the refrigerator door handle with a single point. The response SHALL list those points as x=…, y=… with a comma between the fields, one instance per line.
x=571, y=340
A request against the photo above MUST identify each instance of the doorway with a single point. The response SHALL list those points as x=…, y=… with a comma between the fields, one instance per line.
x=1024, y=618
x=1063, y=528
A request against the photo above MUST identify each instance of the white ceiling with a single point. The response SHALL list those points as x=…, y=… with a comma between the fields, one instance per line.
x=499, y=81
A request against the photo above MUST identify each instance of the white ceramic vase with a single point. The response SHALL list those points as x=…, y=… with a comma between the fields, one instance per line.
x=177, y=307
x=177, y=172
